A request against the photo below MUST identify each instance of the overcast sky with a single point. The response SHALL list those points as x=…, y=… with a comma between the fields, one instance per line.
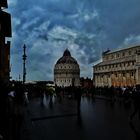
x=85, y=27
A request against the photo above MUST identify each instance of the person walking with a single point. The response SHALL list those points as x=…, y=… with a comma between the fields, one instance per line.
x=78, y=98
x=136, y=102
x=19, y=110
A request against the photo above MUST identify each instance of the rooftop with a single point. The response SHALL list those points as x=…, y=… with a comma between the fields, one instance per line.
x=121, y=49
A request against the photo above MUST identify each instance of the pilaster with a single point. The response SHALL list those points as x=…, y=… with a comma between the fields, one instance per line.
x=138, y=67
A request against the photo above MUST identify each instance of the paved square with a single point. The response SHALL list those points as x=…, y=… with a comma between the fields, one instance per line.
x=98, y=120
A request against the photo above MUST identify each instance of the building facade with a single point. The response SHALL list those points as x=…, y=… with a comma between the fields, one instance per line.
x=5, y=31
x=86, y=82
x=118, y=68
x=66, y=71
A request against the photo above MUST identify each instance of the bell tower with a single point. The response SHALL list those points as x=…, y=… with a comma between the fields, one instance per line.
x=5, y=31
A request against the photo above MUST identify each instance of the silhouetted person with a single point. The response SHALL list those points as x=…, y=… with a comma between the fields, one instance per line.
x=42, y=98
x=136, y=102
x=93, y=92
x=3, y=111
x=19, y=110
x=78, y=98
x=26, y=100
x=11, y=111
x=78, y=94
x=51, y=100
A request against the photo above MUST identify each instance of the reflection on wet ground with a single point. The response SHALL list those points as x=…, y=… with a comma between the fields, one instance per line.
x=97, y=120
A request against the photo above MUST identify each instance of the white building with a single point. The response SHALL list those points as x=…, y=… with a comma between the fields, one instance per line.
x=66, y=71
x=118, y=68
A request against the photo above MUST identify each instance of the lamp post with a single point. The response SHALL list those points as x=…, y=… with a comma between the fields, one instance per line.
x=24, y=63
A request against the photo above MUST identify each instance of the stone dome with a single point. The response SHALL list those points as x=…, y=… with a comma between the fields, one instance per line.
x=67, y=71
x=66, y=58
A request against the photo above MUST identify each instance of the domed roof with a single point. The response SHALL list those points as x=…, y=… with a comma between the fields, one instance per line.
x=66, y=58
x=66, y=53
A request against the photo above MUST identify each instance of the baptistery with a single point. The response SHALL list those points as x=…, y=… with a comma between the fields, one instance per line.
x=66, y=71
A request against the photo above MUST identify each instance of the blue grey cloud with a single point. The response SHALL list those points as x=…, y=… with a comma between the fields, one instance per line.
x=86, y=27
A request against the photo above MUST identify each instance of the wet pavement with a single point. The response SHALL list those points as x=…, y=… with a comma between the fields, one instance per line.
x=98, y=120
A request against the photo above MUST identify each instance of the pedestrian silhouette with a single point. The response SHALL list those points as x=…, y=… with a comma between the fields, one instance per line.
x=19, y=110
x=42, y=98
x=136, y=102
x=78, y=98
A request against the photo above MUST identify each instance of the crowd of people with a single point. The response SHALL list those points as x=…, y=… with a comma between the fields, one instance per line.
x=128, y=96
x=13, y=100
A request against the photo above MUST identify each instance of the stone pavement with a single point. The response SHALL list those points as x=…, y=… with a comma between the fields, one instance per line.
x=98, y=120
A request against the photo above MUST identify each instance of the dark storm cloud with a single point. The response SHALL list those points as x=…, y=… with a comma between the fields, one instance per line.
x=86, y=27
